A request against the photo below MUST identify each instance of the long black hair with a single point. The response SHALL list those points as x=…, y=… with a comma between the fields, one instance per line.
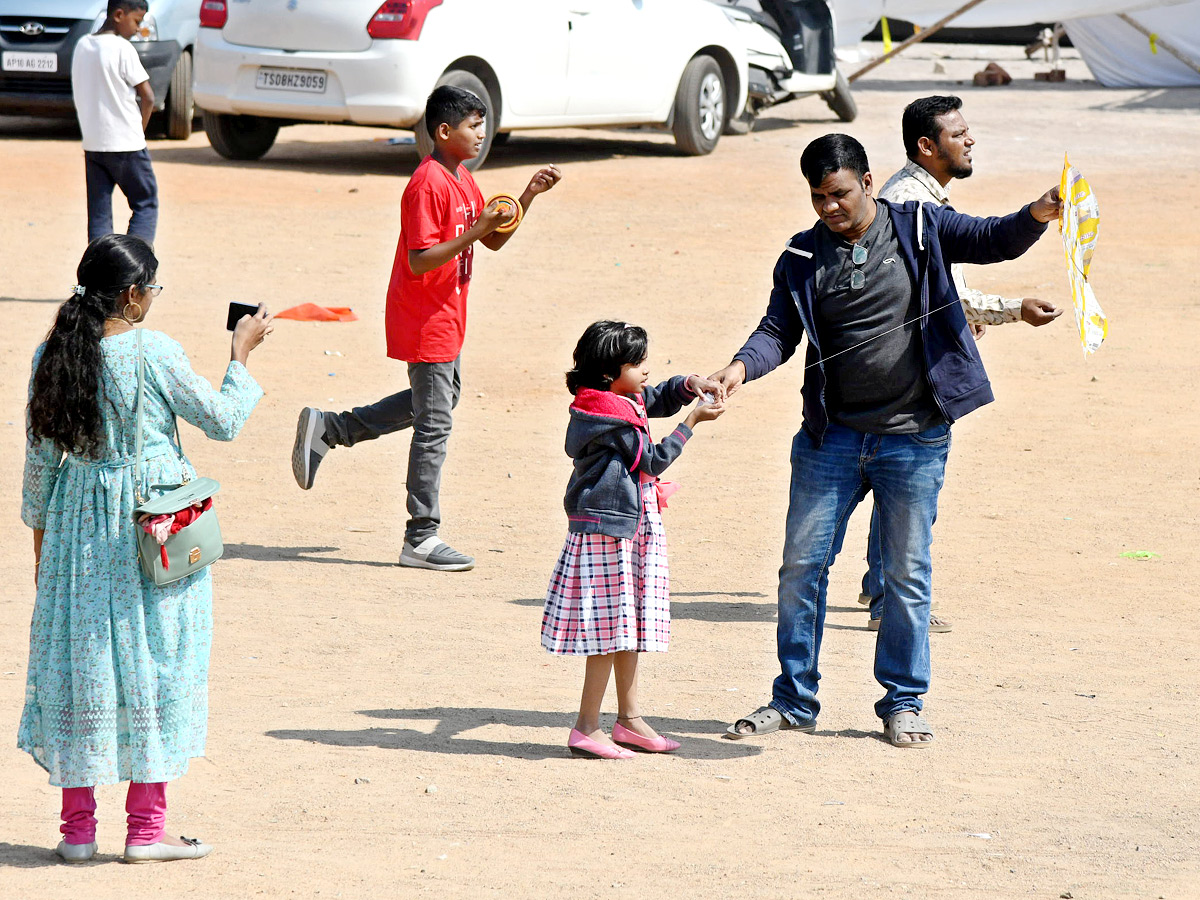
x=603, y=349
x=64, y=406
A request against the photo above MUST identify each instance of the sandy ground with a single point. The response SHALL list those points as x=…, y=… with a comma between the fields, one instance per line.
x=344, y=689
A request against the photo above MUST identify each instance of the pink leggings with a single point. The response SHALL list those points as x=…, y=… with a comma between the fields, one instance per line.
x=145, y=803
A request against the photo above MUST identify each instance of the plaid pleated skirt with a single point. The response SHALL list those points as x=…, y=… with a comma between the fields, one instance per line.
x=611, y=594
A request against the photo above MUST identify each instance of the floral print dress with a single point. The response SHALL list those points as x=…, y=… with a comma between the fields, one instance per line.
x=117, y=688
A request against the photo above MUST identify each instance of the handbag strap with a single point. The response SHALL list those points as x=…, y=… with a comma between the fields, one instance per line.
x=137, y=440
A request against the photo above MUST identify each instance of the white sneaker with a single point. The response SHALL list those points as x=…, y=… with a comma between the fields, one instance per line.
x=75, y=853
x=434, y=553
x=160, y=852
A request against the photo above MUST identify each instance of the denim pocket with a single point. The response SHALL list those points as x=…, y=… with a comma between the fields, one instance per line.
x=938, y=434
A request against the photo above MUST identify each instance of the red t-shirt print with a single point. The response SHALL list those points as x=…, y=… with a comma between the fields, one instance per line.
x=426, y=316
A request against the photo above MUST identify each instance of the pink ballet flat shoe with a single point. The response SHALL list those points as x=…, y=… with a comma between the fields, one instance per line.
x=582, y=745
x=634, y=741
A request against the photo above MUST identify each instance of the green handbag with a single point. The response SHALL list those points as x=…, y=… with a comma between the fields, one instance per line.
x=193, y=547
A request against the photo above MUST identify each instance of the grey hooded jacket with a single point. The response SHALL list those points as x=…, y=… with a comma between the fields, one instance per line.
x=609, y=439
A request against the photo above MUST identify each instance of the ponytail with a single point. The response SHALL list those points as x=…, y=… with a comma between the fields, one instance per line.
x=64, y=406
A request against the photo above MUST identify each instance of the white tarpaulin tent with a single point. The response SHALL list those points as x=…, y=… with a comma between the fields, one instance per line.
x=1121, y=56
x=856, y=17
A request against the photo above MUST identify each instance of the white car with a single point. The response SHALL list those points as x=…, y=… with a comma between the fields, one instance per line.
x=699, y=67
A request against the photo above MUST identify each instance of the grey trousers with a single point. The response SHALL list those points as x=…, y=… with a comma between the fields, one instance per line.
x=434, y=389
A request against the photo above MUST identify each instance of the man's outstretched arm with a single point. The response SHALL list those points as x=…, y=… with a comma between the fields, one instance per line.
x=989, y=240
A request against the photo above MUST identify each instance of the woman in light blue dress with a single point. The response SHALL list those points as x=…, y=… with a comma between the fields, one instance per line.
x=118, y=668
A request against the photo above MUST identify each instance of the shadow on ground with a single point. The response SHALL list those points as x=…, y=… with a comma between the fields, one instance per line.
x=260, y=553
x=702, y=611
x=853, y=733
x=452, y=722
x=373, y=156
x=733, y=611
x=38, y=129
x=1173, y=99
x=23, y=856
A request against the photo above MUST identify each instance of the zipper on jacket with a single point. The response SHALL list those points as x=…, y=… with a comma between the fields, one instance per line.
x=810, y=334
x=923, y=270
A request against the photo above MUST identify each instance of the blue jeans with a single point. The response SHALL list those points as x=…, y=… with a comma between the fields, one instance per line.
x=132, y=173
x=872, y=583
x=905, y=473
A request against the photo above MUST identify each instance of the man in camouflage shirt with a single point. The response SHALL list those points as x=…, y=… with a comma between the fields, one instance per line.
x=938, y=144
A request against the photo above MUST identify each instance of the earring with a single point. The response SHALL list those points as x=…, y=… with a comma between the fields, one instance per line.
x=125, y=312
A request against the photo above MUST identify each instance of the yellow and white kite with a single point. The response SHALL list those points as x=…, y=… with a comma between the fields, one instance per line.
x=1079, y=226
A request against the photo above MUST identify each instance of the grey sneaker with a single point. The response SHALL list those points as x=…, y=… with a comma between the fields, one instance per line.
x=310, y=447
x=434, y=553
x=75, y=853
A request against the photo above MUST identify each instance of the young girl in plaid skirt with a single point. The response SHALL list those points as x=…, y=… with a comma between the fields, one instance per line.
x=609, y=596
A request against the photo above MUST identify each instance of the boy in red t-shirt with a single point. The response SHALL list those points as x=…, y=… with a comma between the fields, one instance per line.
x=442, y=215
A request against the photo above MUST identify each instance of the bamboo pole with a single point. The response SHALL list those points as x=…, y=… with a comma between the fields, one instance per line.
x=915, y=39
x=1159, y=40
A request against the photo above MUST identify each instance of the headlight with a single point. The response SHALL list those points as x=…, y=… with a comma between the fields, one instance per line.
x=148, y=31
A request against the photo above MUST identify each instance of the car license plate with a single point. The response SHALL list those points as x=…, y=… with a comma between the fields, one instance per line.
x=310, y=81
x=30, y=62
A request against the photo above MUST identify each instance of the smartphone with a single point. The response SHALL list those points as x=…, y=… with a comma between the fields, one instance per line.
x=237, y=310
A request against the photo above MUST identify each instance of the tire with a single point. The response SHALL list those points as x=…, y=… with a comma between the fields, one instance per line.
x=181, y=109
x=240, y=137
x=700, y=108
x=468, y=82
x=840, y=100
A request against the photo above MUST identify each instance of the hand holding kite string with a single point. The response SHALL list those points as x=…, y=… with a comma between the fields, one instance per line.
x=1039, y=312
x=706, y=390
x=543, y=179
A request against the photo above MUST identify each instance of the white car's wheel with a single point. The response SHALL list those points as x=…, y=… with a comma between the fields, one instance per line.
x=240, y=137
x=180, y=108
x=700, y=107
x=468, y=82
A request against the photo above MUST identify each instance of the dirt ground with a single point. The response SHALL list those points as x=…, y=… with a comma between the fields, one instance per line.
x=344, y=689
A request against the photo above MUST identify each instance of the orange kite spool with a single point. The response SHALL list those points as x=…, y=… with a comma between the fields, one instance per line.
x=513, y=206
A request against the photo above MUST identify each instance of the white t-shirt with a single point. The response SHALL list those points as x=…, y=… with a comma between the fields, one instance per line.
x=104, y=72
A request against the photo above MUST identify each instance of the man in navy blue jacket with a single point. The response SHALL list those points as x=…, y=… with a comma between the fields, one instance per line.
x=891, y=364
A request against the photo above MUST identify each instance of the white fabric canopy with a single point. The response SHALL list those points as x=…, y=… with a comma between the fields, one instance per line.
x=1120, y=56
x=856, y=17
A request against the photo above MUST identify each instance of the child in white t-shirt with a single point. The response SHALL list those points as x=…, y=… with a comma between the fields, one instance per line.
x=113, y=100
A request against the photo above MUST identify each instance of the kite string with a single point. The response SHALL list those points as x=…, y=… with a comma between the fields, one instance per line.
x=883, y=334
